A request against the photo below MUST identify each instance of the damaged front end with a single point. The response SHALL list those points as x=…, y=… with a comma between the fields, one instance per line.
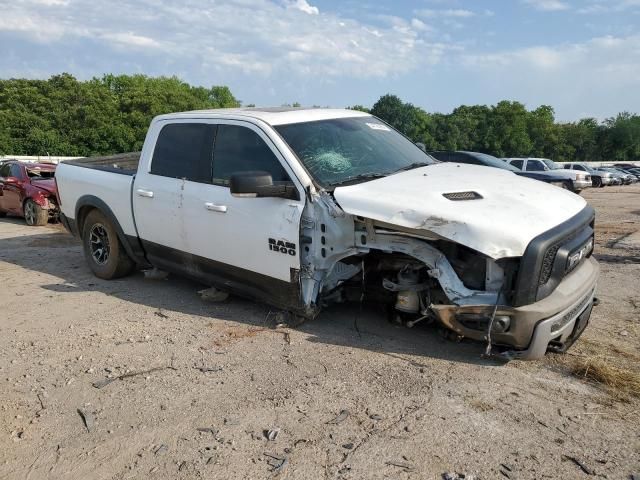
x=419, y=276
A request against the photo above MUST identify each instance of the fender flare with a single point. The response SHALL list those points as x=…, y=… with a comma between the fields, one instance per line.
x=131, y=244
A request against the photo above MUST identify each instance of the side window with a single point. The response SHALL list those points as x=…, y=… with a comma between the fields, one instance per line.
x=535, y=166
x=184, y=150
x=16, y=171
x=580, y=167
x=240, y=149
x=569, y=167
x=517, y=163
x=5, y=171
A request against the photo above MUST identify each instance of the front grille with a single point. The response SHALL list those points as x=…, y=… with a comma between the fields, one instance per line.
x=547, y=264
x=544, y=263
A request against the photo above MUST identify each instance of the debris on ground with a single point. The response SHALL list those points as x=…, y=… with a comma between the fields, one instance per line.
x=209, y=369
x=213, y=295
x=155, y=274
x=88, y=419
x=342, y=416
x=161, y=449
x=457, y=476
x=404, y=465
x=106, y=381
x=276, y=462
x=272, y=434
x=578, y=462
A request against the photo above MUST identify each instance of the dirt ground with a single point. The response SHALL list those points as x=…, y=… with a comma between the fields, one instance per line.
x=347, y=396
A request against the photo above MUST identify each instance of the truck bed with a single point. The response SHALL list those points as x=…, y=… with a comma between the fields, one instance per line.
x=106, y=180
x=123, y=163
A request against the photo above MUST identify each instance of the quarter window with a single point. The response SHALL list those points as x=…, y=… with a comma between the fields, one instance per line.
x=240, y=149
x=184, y=150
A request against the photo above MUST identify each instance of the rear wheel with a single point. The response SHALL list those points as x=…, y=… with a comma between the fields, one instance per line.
x=3, y=214
x=103, y=250
x=34, y=214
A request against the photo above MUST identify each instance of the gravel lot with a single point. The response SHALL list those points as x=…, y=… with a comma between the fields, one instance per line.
x=345, y=396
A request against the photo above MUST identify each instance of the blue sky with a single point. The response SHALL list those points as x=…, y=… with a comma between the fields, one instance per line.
x=580, y=56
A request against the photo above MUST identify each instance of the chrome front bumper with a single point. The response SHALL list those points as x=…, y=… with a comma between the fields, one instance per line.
x=582, y=184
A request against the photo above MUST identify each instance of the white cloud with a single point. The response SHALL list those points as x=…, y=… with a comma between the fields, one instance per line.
x=303, y=6
x=596, y=74
x=451, y=12
x=258, y=36
x=609, y=6
x=548, y=5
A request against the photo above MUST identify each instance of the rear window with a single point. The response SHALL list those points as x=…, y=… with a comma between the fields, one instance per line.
x=184, y=150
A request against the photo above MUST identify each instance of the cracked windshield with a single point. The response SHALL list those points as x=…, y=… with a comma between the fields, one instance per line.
x=351, y=150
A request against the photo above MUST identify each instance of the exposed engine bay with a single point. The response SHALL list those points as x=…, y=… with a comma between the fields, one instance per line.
x=412, y=274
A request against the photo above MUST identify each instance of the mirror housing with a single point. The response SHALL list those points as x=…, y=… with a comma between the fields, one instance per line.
x=11, y=180
x=258, y=184
x=421, y=146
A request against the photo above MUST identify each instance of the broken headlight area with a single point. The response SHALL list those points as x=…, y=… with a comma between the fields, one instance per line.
x=481, y=322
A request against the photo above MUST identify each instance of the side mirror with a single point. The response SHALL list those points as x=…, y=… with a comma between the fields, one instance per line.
x=11, y=180
x=421, y=146
x=260, y=184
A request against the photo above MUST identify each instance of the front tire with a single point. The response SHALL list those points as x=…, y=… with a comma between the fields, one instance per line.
x=34, y=214
x=597, y=182
x=103, y=250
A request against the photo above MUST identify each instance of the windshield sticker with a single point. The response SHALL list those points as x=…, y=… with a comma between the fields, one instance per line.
x=378, y=126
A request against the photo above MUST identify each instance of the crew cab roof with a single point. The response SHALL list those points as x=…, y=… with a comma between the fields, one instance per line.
x=271, y=115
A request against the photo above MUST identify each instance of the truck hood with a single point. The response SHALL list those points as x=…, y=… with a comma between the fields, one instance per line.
x=512, y=211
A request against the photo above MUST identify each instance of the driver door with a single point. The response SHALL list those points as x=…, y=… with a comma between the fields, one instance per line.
x=255, y=240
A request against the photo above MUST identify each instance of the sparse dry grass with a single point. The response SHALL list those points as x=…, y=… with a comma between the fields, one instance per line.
x=620, y=382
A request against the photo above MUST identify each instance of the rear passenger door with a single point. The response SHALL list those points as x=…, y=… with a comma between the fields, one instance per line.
x=180, y=162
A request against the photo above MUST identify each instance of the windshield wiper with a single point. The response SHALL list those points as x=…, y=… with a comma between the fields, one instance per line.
x=362, y=176
x=412, y=166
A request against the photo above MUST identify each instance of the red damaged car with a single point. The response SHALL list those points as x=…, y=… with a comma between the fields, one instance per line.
x=28, y=190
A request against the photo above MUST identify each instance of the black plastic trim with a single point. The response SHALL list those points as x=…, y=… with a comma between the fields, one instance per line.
x=245, y=283
x=527, y=287
x=69, y=224
x=130, y=243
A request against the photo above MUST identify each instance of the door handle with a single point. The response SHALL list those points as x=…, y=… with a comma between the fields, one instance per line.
x=216, y=208
x=144, y=193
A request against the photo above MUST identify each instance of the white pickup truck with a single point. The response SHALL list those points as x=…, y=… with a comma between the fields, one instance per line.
x=301, y=208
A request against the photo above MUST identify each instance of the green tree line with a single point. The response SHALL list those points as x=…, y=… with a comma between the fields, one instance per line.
x=508, y=129
x=65, y=116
